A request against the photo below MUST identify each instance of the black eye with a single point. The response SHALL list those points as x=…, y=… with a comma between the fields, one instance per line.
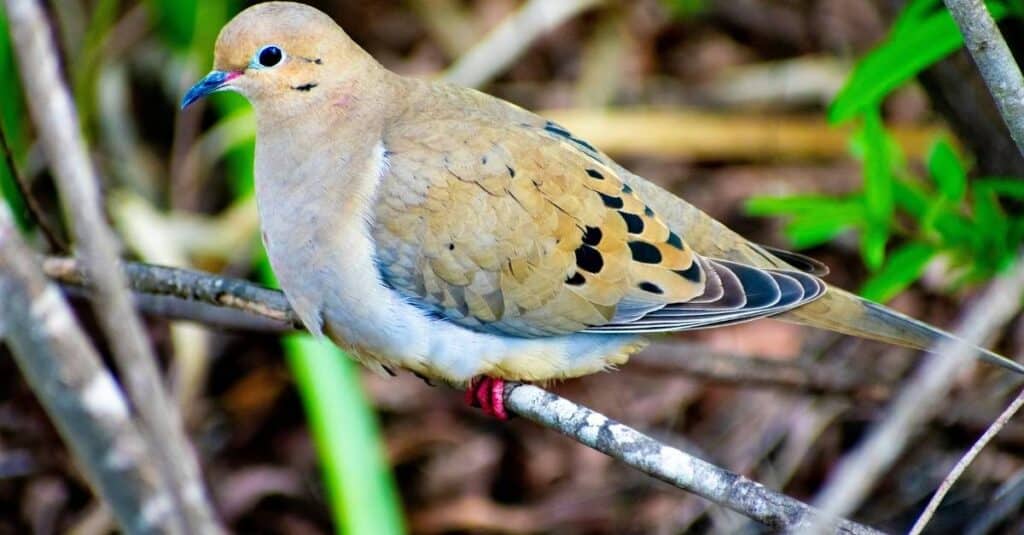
x=270, y=56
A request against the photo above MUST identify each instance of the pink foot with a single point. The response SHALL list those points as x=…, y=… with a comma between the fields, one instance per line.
x=487, y=394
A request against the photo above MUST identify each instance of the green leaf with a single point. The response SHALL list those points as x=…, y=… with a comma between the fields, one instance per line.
x=815, y=219
x=878, y=169
x=991, y=229
x=804, y=233
x=947, y=171
x=911, y=197
x=915, y=12
x=1005, y=187
x=686, y=9
x=191, y=25
x=795, y=204
x=11, y=126
x=899, y=58
x=905, y=265
x=879, y=155
x=872, y=246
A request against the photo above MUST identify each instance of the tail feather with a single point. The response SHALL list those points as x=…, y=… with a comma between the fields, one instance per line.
x=846, y=313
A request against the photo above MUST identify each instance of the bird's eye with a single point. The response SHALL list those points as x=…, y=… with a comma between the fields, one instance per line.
x=269, y=56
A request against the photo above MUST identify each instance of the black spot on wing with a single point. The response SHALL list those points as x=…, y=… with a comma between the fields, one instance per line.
x=511, y=171
x=634, y=224
x=626, y=188
x=644, y=252
x=592, y=236
x=557, y=130
x=561, y=132
x=583, y=144
x=675, y=241
x=305, y=87
x=576, y=279
x=651, y=287
x=589, y=259
x=648, y=212
x=594, y=173
x=610, y=201
x=691, y=273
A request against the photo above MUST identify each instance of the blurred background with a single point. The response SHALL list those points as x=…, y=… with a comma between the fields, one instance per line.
x=854, y=130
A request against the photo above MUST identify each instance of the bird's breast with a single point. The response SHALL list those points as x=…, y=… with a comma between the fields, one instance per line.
x=315, y=216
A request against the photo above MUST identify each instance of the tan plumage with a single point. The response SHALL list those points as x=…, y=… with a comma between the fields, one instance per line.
x=439, y=229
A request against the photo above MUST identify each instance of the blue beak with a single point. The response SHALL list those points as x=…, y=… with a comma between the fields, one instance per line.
x=213, y=82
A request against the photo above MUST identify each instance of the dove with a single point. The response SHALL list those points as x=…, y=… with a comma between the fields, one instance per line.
x=433, y=228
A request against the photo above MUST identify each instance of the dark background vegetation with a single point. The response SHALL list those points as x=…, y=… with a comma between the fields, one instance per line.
x=911, y=194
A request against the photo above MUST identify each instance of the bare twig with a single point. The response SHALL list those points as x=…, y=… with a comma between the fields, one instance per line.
x=588, y=427
x=994, y=60
x=77, y=391
x=34, y=209
x=918, y=401
x=966, y=461
x=54, y=113
x=511, y=38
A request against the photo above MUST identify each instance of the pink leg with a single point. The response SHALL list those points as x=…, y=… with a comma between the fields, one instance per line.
x=488, y=394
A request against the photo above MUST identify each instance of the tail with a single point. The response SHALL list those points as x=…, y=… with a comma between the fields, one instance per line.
x=845, y=313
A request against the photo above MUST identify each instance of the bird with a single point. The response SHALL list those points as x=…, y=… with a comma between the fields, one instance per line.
x=434, y=228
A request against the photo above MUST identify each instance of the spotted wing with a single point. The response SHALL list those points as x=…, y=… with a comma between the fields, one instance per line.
x=522, y=229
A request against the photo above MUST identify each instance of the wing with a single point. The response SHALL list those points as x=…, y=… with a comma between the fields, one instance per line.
x=520, y=228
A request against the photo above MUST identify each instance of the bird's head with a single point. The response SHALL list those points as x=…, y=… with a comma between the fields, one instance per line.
x=282, y=52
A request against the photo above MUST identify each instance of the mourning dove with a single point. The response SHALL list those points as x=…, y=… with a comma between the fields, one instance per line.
x=431, y=227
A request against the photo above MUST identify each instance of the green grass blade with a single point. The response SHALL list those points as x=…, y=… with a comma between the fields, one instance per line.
x=905, y=266
x=948, y=171
x=359, y=485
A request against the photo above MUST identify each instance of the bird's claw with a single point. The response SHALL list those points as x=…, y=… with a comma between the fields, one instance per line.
x=488, y=395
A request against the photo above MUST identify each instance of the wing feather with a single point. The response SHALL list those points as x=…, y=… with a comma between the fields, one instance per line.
x=522, y=229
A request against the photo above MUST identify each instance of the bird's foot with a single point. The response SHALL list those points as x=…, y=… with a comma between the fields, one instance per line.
x=488, y=395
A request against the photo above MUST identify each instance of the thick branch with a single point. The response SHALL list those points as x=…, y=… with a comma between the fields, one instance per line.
x=77, y=391
x=588, y=427
x=52, y=109
x=994, y=60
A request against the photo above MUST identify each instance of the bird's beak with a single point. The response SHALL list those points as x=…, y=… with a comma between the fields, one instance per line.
x=211, y=83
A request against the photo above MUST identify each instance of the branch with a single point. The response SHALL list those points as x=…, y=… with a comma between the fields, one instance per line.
x=59, y=131
x=584, y=425
x=994, y=60
x=78, y=392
